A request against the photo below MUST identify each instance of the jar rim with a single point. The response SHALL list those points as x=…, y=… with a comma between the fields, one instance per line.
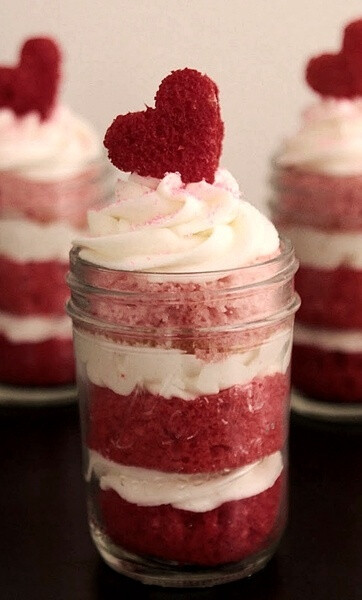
x=285, y=265
x=133, y=289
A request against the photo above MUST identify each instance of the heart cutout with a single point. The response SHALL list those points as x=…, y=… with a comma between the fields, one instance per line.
x=328, y=75
x=339, y=75
x=32, y=85
x=183, y=133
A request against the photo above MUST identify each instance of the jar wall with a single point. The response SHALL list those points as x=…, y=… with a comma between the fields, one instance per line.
x=184, y=427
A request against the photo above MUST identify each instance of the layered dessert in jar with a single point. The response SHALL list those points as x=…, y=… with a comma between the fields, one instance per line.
x=317, y=203
x=51, y=169
x=183, y=306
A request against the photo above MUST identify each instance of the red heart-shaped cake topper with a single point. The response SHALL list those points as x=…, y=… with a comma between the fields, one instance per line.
x=32, y=85
x=328, y=75
x=183, y=133
x=339, y=75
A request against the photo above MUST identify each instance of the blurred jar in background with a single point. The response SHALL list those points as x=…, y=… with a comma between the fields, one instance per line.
x=317, y=203
x=317, y=183
x=51, y=171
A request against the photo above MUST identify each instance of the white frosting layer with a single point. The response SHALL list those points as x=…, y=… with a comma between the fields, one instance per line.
x=334, y=340
x=197, y=493
x=34, y=329
x=325, y=249
x=329, y=141
x=166, y=226
x=173, y=373
x=24, y=240
x=58, y=147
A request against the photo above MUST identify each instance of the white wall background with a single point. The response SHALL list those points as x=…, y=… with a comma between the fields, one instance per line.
x=117, y=52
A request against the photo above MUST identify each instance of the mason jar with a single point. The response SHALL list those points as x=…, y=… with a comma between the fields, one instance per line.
x=184, y=401
x=38, y=221
x=322, y=215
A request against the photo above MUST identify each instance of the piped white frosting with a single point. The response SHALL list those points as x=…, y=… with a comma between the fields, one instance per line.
x=24, y=240
x=173, y=373
x=325, y=249
x=196, y=493
x=334, y=340
x=49, y=150
x=166, y=226
x=30, y=329
x=329, y=141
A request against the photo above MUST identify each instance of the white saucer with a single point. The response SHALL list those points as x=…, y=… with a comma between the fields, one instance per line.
x=325, y=411
x=37, y=396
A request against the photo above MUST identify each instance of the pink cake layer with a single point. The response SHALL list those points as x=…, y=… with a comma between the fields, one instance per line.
x=203, y=304
x=46, y=201
x=330, y=298
x=43, y=363
x=162, y=305
x=316, y=199
x=33, y=288
x=326, y=375
x=228, y=533
x=227, y=430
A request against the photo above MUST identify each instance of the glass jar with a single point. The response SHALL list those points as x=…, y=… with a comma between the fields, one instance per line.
x=322, y=215
x=184, y=401
x=38, y=221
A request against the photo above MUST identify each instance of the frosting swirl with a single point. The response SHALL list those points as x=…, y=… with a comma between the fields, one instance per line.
x=167, y=226
x=329, y=141
x=58, y=147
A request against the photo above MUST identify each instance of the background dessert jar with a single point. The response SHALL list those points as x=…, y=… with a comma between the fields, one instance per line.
x=52, y=170
x=317, y=203
x=183, y=304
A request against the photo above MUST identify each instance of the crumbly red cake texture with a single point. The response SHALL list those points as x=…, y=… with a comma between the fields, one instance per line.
x=339, y=75
x=183, y=133
x=33, y=288
x=227, y=430
x=226, y=534
x=32, y=85
x=48, y=201
x=327, y=376
x=49, y=362
x=330, y=298
x=316, y=199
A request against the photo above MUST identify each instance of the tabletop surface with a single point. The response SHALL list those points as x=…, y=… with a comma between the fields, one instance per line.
x=46, y=552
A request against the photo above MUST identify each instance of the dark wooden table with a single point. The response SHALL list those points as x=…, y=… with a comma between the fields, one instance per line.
x=46, y=552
